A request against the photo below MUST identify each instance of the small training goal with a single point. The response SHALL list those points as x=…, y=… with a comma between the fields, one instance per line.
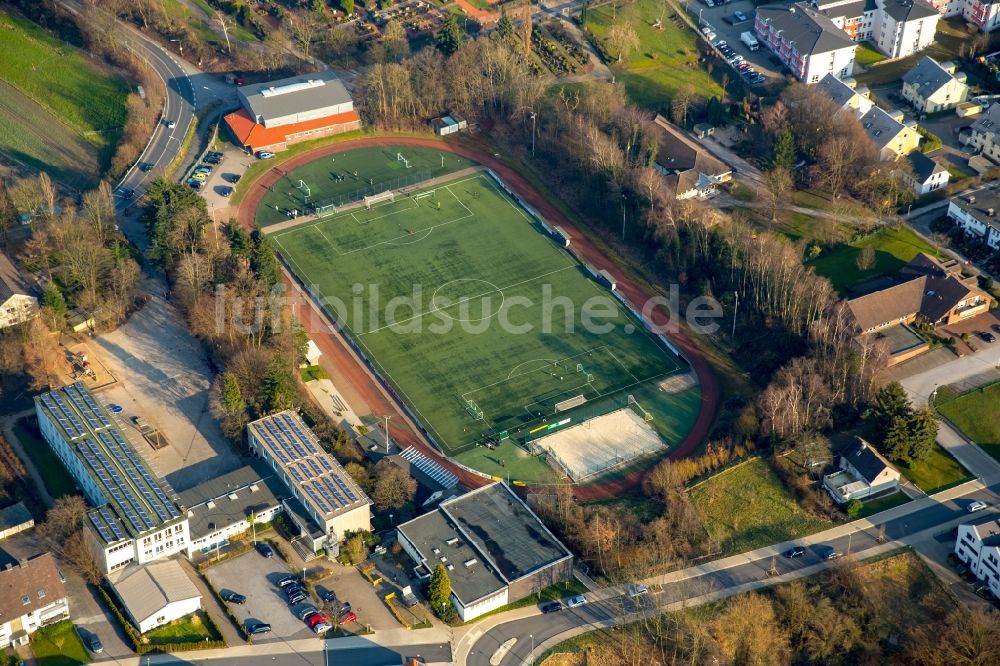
x=371, y=200
x=400, y=158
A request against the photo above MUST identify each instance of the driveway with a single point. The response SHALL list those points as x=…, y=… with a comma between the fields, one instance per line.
x=163, y=376
x=349, y=585
x=725, y=26
x=256, y=576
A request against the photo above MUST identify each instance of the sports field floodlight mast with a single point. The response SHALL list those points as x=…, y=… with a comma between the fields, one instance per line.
x=533, y=116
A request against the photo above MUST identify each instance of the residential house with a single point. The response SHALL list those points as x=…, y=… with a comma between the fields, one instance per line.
x=932, y=86
x=325, y=502
x=31, y=596
x=979, y=547
x=863, y=472
x=15, y=519
x=984, y=14
x=17, y=304
x=846, y=94
x=897, y=28
x=977, y=215
x=494, y=547
x=927, y=174
x=155, y=594
x=688, y=169
x=984, y=135
x=135, y=516
x=805, y=40
x=927, y=289
x=892, y=137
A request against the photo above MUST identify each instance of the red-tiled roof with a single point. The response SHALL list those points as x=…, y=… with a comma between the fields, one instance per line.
x=250, y=133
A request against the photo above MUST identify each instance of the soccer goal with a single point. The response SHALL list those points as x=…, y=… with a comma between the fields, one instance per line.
x=400, y=158
x=474, y=410
x=646, y=416
x=306, y=191
x=371, y=200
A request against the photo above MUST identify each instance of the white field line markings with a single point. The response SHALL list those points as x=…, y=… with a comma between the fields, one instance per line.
x=528, y=372
x=467, y=298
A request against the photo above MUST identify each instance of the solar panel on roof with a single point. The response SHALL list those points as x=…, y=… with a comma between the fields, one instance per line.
x=324, y=507
x=296, y=474
x=326, y=463
x=335, y=492
x=346, y=488
x=101, y=529
x=315, y=467
x=112, y=522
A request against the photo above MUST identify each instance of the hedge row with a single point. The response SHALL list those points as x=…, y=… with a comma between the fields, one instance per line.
x=229, y=611
x=144, y=648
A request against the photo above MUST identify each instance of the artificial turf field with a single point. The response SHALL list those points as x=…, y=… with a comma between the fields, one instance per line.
x=445, y=291
x=346, y=177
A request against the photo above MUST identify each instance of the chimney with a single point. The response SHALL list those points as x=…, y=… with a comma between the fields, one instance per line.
x=8, y=566
x=972, y=198
x=23, y=564
x=989, y=211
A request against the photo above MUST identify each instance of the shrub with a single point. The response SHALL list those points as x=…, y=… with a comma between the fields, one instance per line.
x=854, y=508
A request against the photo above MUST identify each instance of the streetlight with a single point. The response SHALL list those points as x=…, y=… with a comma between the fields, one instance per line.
x=531, y=654
x=180, y=45
x=533, y=116
x=387, y=417
x=624, y=197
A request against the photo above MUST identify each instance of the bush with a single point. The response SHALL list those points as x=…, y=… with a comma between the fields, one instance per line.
x=931, y=141
x=854, y=508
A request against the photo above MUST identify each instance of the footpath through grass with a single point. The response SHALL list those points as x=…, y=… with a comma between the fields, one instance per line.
x=59, y=112
x=59, y=645
x=894, y=248
x=977, y=414
x=666, y=60
x=747, y=506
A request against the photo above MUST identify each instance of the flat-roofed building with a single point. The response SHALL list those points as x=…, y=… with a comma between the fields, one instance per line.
x=495, y=548
x=226, y=506
x=135, y=516
x=332, y=501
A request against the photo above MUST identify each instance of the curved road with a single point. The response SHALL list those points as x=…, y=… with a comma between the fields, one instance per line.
x=375, y=393
x=913, y=523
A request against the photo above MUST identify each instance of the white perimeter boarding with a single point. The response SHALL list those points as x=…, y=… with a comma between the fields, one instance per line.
x=601, y=443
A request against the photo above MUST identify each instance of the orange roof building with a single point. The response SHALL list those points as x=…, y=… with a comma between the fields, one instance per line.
x=279, y=113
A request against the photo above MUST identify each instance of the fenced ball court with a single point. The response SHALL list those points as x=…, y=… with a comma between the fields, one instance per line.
x=323, y=186
x=467, y=258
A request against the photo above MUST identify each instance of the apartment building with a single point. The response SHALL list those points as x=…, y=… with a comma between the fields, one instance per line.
x=979, y=547
x=977, y=215
x=933, y=86
x=135, y=516
x=897, y=28
x=806, y=41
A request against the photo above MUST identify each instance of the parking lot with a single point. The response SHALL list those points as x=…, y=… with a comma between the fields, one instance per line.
x=163, y=378
x=256, y=577
x=349, y=585
x=727, y=28
x=233, y=165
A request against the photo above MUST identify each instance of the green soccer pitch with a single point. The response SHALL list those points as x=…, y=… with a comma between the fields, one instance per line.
x=344, y=178
x=471, y=311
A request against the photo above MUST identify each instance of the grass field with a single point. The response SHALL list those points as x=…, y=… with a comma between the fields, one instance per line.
x=747, y=506
x=347, y=177
x=58, y=112
x=58, y=645
x=939, y=470
x=948, y=40
x=976, y=414
x=188, y=629
x=58, y=480
x=894, y=248
x=867, y=55
x=666, y=60
x=477, y=318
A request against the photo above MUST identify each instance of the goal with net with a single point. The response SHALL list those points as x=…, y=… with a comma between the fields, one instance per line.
x=400, y=158
x=371, y=200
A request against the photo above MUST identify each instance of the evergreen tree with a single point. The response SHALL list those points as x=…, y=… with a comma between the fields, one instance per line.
x=240, y=244
x=923, y=433
x=505, y=27
x=232, y=396
x=439, y=593
x=783, y=150
x=889, y=403
x=896, y=441
x=449, y=37
x=52, y=299
x=276, y=388
x=263, y=262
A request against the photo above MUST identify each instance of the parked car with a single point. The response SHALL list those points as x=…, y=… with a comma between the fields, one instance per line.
x=578, y=600
x=203, y=169
x=710, y=35
x=722, y=44
x=264, y=154
x=94, y=644
x=287, y=580
x=321, y=627
x=195, y=184
x=265, y=550
x=199, y=176
x=258, y=627
x=986, y=336
x=226, y=191
x=705, y=29
x=827, y=552
x=740, y=16
x=327, y=595
x=232, y=177
x=347, y=619
x=976, y=506
x=796, y=551
x=292, y=590
x=552, y=607
x=306, y=611
x=234, y=597
x=636, y=590
x=297, y=597
x=316, y=618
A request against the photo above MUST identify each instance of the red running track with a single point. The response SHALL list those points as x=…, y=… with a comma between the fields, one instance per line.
x=374, y=393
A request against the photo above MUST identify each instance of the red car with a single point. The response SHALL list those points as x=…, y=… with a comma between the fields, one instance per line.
x=347, y=619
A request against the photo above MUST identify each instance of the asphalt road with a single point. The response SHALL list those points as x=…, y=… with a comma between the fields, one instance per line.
x=532, y=631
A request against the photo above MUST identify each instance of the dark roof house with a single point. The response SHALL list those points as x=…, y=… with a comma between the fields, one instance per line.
x=868, y=462
x=689, y=170
x=927, y=77
x=810, y=30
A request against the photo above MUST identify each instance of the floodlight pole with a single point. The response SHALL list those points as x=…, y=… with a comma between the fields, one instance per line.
x=387, y=417
x=533, y=116
x=624, y=197
x=735, y=308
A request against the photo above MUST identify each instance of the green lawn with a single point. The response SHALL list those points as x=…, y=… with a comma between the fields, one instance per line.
x=479, y=320
x=939, y=470
x=314, y=372
x=948, y=40
x=57, y=479
x=976, y=414
x=879, y=504
x=58, y=111
x=188, y=629
x=894, y=248
x=667, y=59
x=554, y=592
x=59, y=645
x=747, y=506
x=346, y=177
x=868, y=55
